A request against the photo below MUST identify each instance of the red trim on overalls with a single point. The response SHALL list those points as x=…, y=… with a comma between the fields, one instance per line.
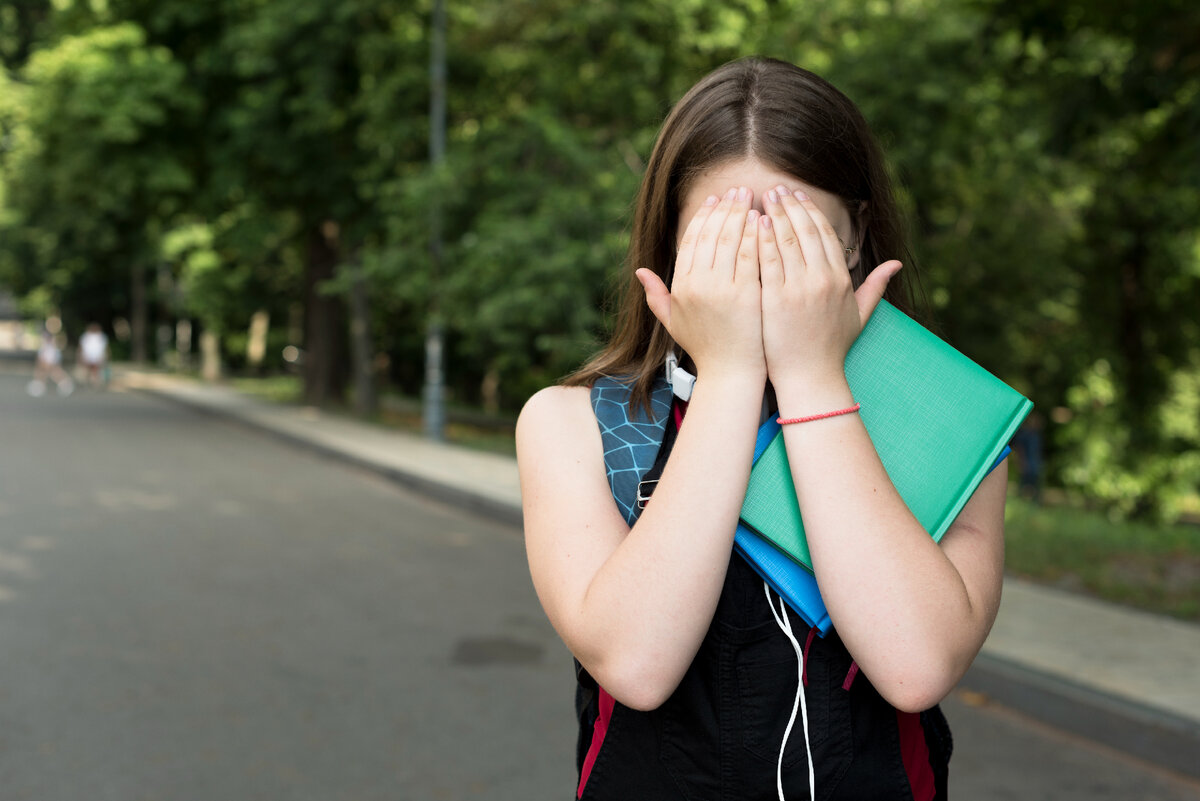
x=599, y=730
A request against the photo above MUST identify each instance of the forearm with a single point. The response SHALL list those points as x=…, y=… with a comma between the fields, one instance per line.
x=648, y=607
x=899, y=603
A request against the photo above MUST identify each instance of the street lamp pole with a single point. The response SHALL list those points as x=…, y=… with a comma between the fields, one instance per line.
x=434, y=406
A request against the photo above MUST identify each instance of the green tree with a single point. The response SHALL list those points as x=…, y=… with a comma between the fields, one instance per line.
x=91, y=176
x=1121, y=95
x=1047, y=154
x=553, y=107
x=23, y=24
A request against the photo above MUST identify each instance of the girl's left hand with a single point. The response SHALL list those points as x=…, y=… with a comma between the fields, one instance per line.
x=811, y=313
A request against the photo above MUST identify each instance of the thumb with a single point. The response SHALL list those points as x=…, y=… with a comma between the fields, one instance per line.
x=871, y=291
x=658, y=298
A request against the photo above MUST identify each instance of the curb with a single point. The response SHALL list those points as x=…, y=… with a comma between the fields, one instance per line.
x=1148, y=733
x=446, y=493
x=1151, y=734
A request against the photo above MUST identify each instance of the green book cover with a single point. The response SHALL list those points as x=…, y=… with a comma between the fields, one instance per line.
x=937, y=419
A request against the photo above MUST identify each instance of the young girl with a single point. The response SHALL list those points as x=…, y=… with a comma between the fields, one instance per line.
x=762, y=241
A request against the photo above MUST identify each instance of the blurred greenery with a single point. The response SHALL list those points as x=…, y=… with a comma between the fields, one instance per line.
x=276, y=389
x=1151, y=566
x=464, y=426
x=167, y=160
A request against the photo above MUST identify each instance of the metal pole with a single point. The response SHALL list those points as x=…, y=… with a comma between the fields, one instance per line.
x=434, y=411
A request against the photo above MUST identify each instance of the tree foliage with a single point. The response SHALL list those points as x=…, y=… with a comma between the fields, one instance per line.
x=255, y=150
x=91, y=173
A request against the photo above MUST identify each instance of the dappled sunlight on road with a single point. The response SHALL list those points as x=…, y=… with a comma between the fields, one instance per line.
x=17, y=566
x=125, y=500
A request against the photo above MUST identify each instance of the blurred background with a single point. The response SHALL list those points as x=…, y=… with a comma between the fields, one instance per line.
x=225, y=180
x=260, y=194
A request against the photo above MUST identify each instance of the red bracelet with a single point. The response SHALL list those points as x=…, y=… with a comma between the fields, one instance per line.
x=783, y=421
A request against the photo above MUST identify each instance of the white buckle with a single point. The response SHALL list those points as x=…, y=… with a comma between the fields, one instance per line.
x=682, y=382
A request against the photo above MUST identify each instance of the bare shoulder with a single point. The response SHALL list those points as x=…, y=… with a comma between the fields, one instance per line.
x=560, y=460
x=555, y=401
x=555, y=415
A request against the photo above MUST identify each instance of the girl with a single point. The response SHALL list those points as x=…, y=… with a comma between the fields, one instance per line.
x=762, y=241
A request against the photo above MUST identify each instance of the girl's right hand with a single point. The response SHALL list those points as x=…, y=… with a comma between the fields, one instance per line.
x=713, y=309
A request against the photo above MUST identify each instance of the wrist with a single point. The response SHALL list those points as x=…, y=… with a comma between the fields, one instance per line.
x=730, y=386
x=739, y=373
x=799, y=397
x=812, y=418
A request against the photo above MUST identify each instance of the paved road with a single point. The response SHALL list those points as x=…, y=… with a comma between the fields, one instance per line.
x=191, y=610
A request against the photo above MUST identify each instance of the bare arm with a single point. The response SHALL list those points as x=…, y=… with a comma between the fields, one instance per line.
x=634, y=605
x=913, y=614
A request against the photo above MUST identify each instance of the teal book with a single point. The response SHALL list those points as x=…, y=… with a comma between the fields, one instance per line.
x=790, y=581
x=938, y=421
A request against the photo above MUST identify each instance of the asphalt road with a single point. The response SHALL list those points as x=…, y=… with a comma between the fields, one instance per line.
x=192, y=610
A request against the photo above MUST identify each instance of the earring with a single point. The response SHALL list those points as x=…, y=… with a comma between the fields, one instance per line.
x=849, y=250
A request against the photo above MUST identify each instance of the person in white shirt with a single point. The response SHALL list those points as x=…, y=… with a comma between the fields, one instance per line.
x=49, y=368
x=93, y=353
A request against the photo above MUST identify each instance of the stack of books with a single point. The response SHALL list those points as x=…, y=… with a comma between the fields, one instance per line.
x=939, y=423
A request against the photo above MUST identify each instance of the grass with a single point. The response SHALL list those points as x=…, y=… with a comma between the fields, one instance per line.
x=1151, y=567
x=277, y=389
x=395, y=412
x=483, y=438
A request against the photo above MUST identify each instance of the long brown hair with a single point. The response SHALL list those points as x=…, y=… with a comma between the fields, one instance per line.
x=788, y=118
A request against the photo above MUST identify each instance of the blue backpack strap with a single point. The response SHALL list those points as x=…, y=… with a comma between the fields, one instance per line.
x=630, y=439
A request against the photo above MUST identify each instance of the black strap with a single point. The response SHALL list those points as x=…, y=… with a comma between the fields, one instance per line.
x=650, y=480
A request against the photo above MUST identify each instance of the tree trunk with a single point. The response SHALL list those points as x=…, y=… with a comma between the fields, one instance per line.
x=489, y=390
x=183, y=344
x=1139, y=379
x=138, y=313
x=325, y=372
x=210, y=356
x=256, y=340
x=365, y=400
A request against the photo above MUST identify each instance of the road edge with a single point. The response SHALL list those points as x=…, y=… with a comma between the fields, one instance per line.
x=1153, y=735
x=460, y=498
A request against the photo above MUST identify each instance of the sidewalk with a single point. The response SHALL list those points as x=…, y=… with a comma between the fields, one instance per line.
x=1124, y=678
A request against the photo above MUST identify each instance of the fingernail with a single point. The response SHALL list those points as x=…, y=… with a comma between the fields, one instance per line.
x=711, y=200
x=782, y=190
x=765, y=221
x=752, y=216
x=773, y=196
x=731, y=193
x=801, y=196
x=743, y=193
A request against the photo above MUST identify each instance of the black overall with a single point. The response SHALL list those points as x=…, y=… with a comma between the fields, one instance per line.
x=718, y=735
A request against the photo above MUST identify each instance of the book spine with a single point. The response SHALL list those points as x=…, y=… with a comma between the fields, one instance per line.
x=972, y=482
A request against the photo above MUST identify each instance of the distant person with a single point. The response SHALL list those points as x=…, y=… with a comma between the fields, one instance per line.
x=49, y=368
x=93, y=355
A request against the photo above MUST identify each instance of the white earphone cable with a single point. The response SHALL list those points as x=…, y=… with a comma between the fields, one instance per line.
x=785, y=625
